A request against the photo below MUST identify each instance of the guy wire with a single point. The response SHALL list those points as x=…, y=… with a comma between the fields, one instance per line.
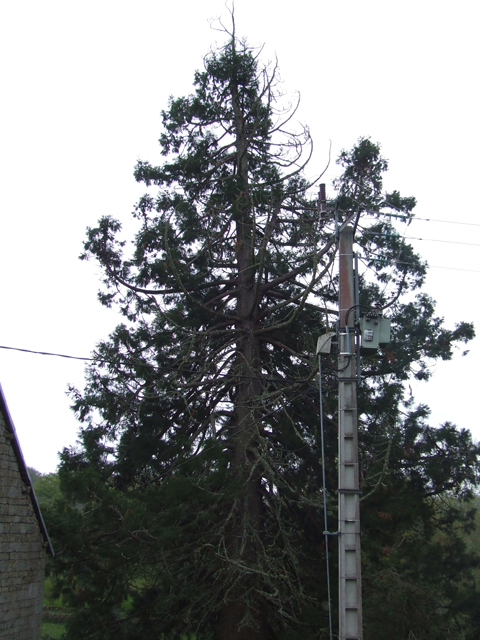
x=324, y=482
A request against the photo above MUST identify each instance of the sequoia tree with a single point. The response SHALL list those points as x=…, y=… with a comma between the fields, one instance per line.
x=197, y=474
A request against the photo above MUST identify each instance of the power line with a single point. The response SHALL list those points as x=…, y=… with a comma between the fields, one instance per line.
x=413, y=218
x=164, y=369
x=383, y=233
x=470, y=244
x=408, y=215
x=365, y=259
x=432, y=266
x=470, y=224
x=403, y=237
x=47, y=353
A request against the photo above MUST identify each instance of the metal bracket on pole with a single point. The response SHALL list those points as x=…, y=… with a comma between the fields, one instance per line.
x=350, y=491
x=324, y=343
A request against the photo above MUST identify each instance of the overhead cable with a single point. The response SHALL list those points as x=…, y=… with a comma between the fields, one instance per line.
x=181, y=370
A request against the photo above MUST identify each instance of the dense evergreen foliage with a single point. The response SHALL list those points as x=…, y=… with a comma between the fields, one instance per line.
x=197, y=479
x=46, y=486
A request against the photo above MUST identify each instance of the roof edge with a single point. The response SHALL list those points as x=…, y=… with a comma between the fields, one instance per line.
x=24, y=470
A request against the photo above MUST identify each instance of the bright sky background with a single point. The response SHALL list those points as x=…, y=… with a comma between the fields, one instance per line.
x=83, y=84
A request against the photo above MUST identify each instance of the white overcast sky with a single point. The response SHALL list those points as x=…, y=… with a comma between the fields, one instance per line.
x=83, y=84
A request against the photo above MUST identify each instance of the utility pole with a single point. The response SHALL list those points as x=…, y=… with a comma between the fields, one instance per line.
x=350, y=576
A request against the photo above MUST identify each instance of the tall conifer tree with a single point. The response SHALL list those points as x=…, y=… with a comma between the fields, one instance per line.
x=197, y=474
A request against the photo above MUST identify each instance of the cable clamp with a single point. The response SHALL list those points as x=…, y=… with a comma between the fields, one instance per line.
x=351, y=491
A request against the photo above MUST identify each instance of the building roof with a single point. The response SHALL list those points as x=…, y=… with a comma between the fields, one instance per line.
x=23, y=468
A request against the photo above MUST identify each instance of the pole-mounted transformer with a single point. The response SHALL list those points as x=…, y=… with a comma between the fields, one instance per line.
x=374, y=330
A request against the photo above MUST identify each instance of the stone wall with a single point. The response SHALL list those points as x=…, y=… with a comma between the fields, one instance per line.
x=22, y=549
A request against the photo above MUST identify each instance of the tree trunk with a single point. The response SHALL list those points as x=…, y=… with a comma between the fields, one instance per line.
x=243, y=616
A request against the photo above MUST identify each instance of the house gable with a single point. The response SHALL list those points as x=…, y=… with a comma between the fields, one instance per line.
x=23, y=540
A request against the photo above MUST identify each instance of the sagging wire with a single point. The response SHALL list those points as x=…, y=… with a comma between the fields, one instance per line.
x=326, y=533
x=163, y=369
x=322, y=215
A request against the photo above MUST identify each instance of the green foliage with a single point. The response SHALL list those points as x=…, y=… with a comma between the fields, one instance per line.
x=192, y=503
x=34, y=475
x=50, y=597
x=47, y=489
x=52, y=630
x=45, y=485
x=424, y=569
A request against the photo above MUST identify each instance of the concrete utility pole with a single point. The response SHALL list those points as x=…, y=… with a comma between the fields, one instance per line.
x=350, y=576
